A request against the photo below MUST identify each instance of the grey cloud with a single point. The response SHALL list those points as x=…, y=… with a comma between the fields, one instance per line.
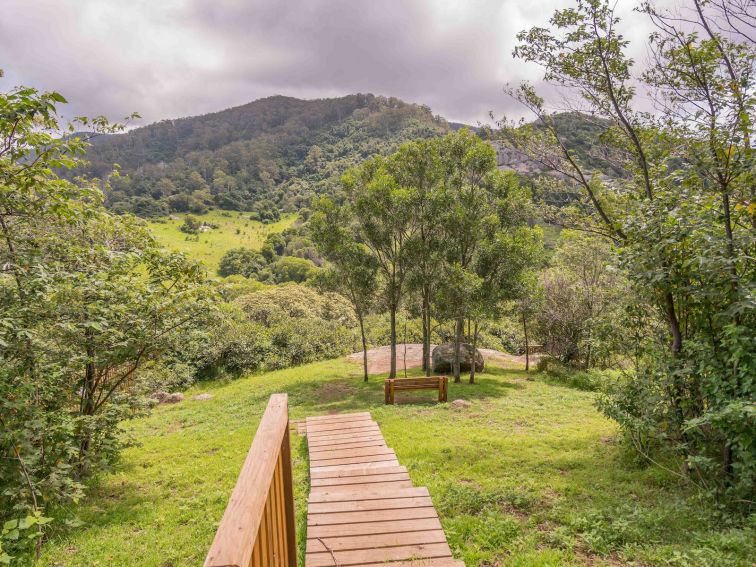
x=184, y=57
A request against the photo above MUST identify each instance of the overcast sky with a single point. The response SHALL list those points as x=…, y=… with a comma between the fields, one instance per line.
x=172, y=58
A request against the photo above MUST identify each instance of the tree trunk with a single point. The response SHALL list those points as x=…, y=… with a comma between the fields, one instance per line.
x=87, y=407
x=427, y=339
x=364, y=347
x=424, y=313
x=474, y=345
x=460, y=328
x=392, y=371
x=527, y=344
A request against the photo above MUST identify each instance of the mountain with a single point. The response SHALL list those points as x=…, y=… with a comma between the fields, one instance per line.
x=275, y=154
x=269, y=156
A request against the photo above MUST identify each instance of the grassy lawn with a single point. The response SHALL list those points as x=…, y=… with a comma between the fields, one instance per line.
x=235, y=230
x=530, y=474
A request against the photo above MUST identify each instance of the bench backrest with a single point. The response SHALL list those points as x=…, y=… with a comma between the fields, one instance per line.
x=431, y=381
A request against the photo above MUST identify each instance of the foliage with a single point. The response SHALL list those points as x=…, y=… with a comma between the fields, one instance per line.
x=442, y=223
x=292, y=269
x=683, y=220
x=353, y=271
x=241, y=261
x=580, y=291
x=268, y=156
x=86, y=299
x=191, y=225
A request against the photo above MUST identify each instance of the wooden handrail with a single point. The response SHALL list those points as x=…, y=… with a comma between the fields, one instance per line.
x=257, y=529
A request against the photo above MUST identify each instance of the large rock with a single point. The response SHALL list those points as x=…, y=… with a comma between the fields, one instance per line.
x=169, y=397
x=442, y=358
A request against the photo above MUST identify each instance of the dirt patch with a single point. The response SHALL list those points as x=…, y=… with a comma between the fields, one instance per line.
x=410, y=355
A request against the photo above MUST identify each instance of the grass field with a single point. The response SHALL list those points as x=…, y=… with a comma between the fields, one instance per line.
x=529, y=475
x=235, y=230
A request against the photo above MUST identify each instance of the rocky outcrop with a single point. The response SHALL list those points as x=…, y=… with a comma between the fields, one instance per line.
x=442, y=358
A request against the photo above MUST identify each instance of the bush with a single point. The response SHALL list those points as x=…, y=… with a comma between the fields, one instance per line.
x=191, y=225
x=290, y=269
x=563, y=374
x=297, y=301
x=241, y=261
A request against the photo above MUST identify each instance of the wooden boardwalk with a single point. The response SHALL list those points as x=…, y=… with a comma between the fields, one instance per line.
x=363, y=509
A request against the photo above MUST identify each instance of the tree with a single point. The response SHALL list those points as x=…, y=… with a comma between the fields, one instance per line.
x=241, y=261
x=385, y=224
x=352, y=271
x=683, y=220
x=476, y=213
x=86, y=300
x=418, y=165
x=292, y=269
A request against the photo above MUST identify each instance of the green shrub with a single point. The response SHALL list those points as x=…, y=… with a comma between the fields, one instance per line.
x=563, y=374
x=241, y=261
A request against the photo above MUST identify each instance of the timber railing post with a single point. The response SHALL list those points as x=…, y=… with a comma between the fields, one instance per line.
x=258, y=527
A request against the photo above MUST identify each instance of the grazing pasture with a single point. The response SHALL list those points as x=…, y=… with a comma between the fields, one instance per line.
x=234, y=230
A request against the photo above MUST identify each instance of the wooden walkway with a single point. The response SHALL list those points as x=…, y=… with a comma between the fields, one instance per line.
x=363, y=509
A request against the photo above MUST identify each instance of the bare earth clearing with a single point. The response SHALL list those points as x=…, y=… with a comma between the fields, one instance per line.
x=411, y=356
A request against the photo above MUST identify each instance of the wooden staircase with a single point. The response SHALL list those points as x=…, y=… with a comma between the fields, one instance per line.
x=363, y=509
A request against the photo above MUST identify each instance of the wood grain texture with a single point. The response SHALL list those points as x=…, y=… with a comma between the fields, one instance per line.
x=362, y=508
x=257, y=527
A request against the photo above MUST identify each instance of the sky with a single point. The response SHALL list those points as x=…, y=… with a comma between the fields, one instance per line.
x=173, y=58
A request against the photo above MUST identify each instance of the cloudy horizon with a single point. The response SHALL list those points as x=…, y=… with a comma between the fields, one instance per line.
x=188, y=57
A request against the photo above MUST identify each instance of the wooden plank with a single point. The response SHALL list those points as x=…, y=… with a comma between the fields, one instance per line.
x=375, y=494
x=371, y=516
x=363, y=438
x=336, y=416
x=437, y=562
x=374, y=541
x=365, y=505
x=361, y=556
x=342, y=433
x=371, y=478
x=367, y=528
x=358, y=471
x=390, y=456
x=385, y=486
x=339, y=426
x=376, y=464
x=350, y=445
x=345, y=453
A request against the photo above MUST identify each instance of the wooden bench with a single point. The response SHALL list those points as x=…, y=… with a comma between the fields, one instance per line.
x=440, y=383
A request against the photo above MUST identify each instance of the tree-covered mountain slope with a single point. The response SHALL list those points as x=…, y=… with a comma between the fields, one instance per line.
x=269, y=156
x=273, y=155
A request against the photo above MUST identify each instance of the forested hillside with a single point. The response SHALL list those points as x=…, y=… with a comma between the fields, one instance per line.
x=269, y=156
x=273, y=155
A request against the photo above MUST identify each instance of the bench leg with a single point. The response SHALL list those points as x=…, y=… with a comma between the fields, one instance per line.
x=444, y=386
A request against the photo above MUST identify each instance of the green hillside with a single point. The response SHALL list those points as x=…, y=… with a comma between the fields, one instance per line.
x=234, y=230
x=272, y=154
x=530, y=475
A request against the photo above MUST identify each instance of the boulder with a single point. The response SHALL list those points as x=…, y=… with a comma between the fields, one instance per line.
x=200, y=397
x=461, y=404
x=442, y=358
x=169, y=397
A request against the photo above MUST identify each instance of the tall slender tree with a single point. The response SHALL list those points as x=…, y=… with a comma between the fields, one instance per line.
x=385, y=223
x=353, y=271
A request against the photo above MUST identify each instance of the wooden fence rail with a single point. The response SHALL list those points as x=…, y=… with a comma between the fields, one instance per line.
x=257, y=529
